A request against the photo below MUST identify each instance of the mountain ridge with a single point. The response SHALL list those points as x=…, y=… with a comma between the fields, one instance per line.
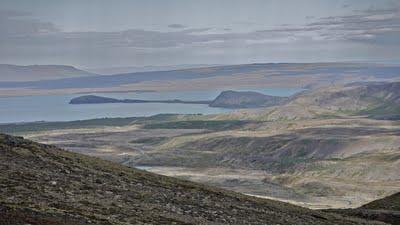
x=382, y=99
x=328, y=71
x=29, y=73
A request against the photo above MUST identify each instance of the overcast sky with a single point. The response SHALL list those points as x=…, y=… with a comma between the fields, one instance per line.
x=103, y=33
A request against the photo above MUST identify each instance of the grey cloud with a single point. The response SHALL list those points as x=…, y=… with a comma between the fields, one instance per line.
x=367, y=25
x=20, y=28
x=16, y=23
x=380, y=26
x=176, y=26
x=345, y=6
x=12, y=13
x=23, y=36
x=289, y=29
x=142, y=38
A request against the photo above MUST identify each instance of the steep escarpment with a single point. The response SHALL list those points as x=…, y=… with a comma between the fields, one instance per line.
x=245, y=99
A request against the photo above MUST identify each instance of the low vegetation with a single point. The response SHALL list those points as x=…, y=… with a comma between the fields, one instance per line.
x=199, y=124
x=41, y=184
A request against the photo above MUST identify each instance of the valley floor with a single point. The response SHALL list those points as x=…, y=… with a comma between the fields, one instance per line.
x=323, y=163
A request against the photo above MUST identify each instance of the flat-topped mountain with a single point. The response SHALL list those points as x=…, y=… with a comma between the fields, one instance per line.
x=39, y=72
x=42, y=184
x=245, y=99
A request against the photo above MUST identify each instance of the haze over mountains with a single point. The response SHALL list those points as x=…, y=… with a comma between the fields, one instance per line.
x=14, y=73
x=233, y=76
x=134, y=69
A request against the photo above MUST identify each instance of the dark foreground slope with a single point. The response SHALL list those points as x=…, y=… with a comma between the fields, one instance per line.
x=391, y=202
x=386, y=209
x=41, y=184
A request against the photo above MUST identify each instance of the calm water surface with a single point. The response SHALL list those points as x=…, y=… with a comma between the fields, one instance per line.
x=56, y=107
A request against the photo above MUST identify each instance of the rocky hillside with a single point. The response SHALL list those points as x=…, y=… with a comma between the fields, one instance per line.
x=391, y=202
x=374, y=100
x=386, y=209
x=41, y=184
x=364, y=97
x=288, y=151
x=352, y=160
x=245, y=99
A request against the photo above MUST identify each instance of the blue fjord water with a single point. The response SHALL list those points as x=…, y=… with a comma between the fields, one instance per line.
x=56, y=107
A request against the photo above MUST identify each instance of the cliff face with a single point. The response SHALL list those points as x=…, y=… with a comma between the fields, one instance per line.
x=41, y=184
x=247, y=99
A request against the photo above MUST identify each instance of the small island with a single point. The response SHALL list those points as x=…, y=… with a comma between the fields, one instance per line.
x=227, y=99
x=94, y=99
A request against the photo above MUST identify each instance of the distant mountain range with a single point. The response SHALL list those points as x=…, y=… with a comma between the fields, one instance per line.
x=253, y=75
x=135, y=69
x=14, y=73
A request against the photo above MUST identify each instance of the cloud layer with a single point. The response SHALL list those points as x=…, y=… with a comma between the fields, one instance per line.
x=22, y=37
x=15, y=24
